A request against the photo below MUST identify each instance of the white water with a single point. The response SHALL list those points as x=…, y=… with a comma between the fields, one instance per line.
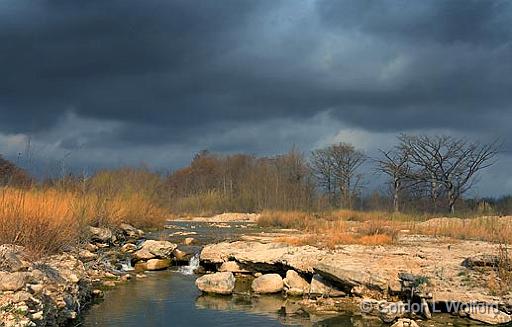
x=193, y=264
x=127, y=266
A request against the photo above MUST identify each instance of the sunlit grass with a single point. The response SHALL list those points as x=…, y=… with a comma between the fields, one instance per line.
x=373, y=228
x=46, y=220
x=492, y=228
x=333, y=228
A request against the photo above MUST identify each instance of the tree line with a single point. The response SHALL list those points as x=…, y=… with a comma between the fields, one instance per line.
x=430, y=173
x=423, y=174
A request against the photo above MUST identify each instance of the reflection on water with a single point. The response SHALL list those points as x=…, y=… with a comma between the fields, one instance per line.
x=171, y=299
x=164, y=299
x=286, y=311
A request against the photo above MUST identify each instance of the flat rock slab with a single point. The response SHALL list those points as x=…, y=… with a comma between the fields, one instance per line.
x=260, y=255
x=155, y=249
x=490, y=316
x=351, y=276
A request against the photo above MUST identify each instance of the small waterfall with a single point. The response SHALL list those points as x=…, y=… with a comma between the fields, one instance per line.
x=193, y=264
x=126, y=266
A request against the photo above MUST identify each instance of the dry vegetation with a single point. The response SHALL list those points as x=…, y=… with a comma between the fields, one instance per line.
x=46, y=215
x=492, y=228
x=44, y=218
x=336, y=227
x=378, y=228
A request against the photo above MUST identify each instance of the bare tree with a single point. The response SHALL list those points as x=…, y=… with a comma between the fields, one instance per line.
x=338, y=165
x=395, y=164
x=447, y=163
x=323, y=171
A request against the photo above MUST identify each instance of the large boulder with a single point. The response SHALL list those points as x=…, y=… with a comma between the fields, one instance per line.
x=267, y=284
x=155, y=249
x=61, y=268
x=143, y=254
x=103, y=235
x=13, y=258
x=14, y=281
x=294, y=280
x=130, y=231
x=321, y=286
x=158, y=264
x=218, y=283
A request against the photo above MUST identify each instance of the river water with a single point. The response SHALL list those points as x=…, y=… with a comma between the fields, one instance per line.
x=170, y=298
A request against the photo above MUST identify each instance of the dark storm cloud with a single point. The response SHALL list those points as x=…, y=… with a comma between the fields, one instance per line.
x=468, y=21
x=142, y=76
x=179, y=63
x=130, y=59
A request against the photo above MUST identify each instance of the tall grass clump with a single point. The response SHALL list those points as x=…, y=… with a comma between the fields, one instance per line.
x=46, y=218
x=43, y=222
x=492, y=229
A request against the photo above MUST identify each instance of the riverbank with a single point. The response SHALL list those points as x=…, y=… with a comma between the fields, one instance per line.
x=415, y=277
x=55, y=290
x=307, y=283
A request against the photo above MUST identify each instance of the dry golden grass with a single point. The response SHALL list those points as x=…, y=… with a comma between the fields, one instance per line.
x=286, y=219
x=46, y=220
x=301, y=219
x=372, y=228
x=492, y=229
x=332, y=229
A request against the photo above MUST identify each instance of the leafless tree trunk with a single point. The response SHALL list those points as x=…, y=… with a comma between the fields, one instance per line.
x=322, y=168
x=338, y=165
x=449, y=164
x=395, y=164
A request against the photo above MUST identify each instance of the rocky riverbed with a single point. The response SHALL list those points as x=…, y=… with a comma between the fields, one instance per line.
x=418, y=279
x=55, y=290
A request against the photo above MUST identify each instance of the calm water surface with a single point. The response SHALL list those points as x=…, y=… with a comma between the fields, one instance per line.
x=163, y=299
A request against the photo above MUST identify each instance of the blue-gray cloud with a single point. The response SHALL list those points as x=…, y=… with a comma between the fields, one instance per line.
x=156, y=80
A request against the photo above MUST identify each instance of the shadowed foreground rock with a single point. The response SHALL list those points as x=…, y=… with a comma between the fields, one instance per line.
x=404, y=322
x=490, y=316
x=267, y=284
x=55, y=289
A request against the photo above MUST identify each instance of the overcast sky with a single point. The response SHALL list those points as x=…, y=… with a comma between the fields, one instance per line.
x=102, y=83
